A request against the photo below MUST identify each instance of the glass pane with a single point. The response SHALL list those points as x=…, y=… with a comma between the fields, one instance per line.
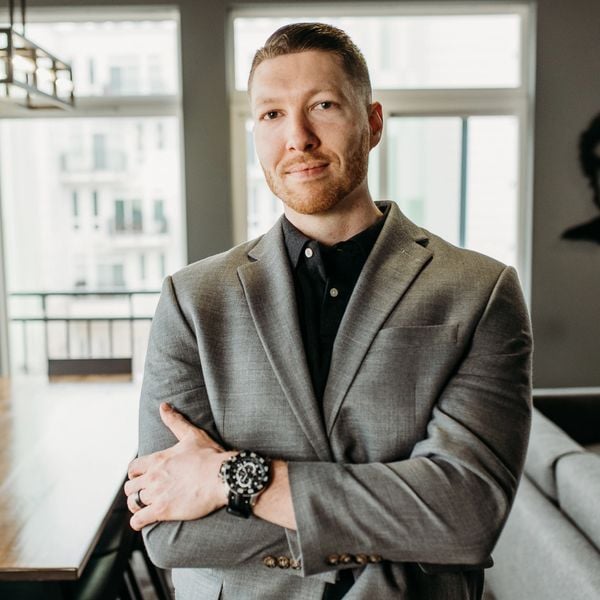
x=88, y=209
x=411, y=52
x=124, y=58
x=492, y=187
x=424, y=170
x=263, y=208
x=426, y=175
x=80, y=199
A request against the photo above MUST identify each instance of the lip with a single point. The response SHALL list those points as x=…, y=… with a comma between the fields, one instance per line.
x=306, y=170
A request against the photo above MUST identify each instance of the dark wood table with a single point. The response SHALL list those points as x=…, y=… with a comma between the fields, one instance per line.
x=64, y=451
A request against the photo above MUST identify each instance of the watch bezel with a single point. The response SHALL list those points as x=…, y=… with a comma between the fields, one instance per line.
x=259, y=482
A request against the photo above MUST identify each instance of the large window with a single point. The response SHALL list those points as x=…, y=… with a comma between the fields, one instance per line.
x=92, y=198
x=454, y=82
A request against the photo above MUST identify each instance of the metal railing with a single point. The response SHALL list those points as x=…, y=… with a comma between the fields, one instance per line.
x=97, y=309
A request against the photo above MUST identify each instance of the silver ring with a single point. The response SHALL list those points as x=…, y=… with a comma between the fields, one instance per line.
x=138, y=500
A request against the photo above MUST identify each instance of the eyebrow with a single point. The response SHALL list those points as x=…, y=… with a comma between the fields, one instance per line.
x=275, y=100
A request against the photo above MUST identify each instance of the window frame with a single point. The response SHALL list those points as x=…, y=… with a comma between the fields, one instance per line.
x=461, y=102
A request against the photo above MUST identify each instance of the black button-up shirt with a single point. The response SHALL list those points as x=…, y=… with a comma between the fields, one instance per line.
x=324, y=278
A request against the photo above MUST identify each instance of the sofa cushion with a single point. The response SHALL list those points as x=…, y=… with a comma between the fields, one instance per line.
x=578, y=486
x=547, y=444
x=540, y=554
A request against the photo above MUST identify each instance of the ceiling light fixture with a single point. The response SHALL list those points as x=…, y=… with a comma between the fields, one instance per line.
x=29, y=75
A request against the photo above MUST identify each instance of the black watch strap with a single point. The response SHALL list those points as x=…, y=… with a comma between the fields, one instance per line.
x=239, y=505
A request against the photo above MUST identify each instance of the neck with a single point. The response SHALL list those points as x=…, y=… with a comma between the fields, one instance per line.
x=348, y=217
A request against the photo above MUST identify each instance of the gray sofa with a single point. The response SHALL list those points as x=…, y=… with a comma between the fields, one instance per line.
x=550, y=546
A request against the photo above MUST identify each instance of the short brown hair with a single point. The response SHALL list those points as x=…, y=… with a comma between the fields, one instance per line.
x=301, y=37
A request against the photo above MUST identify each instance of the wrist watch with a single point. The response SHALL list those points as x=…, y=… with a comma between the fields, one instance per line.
x=247, y=475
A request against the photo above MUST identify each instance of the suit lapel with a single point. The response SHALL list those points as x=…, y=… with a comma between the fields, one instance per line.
x=269, y=290
x=397, y=258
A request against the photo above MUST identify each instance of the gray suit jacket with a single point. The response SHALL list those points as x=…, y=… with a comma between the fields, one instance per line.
x=415, y=454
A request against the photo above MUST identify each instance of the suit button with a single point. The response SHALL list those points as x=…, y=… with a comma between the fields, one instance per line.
x=361, y=559
x=295, y=564
x=270, y=561
x=283, y=562
x=375, y=558
x=345, y=559
x=333, y=559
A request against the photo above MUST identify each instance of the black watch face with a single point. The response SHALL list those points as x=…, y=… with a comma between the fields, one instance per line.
x=247, y=473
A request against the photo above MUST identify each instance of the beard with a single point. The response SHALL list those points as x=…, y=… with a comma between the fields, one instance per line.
x=321, y=195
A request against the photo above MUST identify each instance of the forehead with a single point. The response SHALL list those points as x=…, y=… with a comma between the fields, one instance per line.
x=293, y=74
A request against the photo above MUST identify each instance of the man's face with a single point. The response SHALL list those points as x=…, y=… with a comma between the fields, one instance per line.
x=313, y=131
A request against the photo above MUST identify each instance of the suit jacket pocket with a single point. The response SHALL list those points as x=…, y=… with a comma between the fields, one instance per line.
x=389, y=404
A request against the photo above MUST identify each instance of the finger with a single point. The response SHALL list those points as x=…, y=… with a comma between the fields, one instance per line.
x=175, y=421
x=143, y=496
x=142, y=517
x=132, y=505
x=133, y=485
x=138, y=466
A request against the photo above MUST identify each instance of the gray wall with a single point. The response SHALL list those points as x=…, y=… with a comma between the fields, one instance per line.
x=565, y=275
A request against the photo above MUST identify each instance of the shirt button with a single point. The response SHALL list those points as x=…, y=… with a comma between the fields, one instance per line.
x=333, y=292
x=308, y=253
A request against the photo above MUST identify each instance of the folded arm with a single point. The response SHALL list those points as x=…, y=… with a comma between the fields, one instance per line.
x=447, y=503
x=173, y=374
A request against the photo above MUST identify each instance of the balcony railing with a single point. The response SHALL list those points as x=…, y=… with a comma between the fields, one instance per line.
x=60, y=331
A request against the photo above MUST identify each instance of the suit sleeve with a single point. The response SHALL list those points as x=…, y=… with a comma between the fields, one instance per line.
x=173, y=373
x=447, y=503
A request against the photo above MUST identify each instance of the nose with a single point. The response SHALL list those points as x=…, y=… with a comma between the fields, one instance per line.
x=301, y=135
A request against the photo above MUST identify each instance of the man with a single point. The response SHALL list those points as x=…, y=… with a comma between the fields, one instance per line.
x=376, y=377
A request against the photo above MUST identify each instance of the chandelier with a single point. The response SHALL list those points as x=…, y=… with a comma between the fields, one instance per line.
x=29, y=75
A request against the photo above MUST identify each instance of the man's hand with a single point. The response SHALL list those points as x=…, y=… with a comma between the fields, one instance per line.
x=180, y=483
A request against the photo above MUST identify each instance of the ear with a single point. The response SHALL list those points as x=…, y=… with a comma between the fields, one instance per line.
x=375, y=123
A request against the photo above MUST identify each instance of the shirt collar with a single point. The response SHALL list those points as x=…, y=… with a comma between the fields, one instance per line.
x=295, y=240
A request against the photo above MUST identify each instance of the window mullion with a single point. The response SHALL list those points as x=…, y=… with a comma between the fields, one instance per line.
x=464, y=155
